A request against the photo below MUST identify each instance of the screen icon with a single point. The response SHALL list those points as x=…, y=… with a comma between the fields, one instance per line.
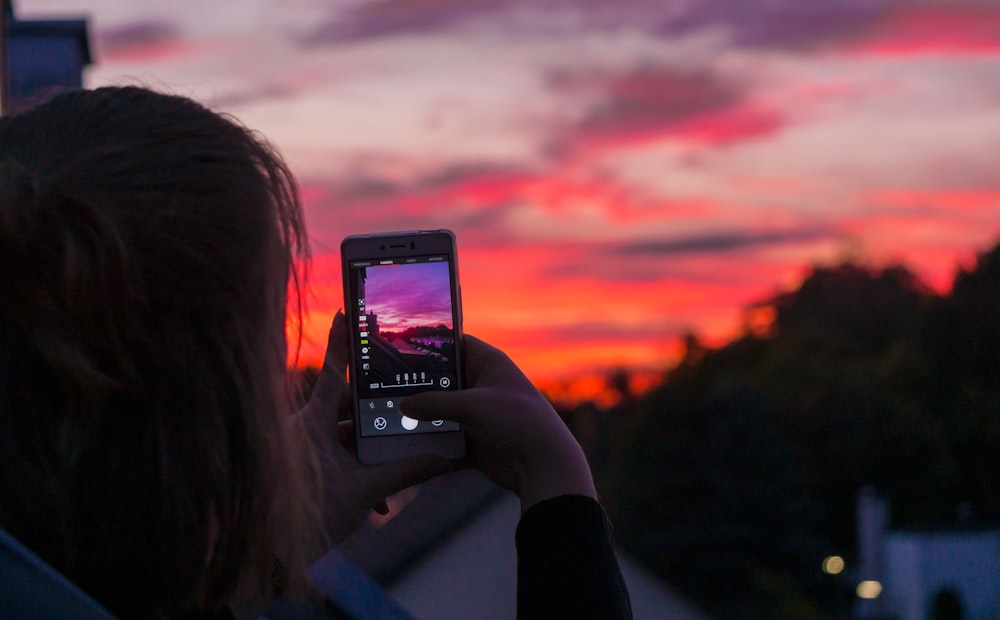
x=380, y=423
x=409, y=423
x=445, y=382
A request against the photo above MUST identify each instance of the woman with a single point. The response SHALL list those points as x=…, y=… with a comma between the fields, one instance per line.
x=149, y=247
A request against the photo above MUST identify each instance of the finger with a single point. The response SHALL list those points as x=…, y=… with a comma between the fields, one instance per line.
x=345, y=435
x=337, y=353
x=457, y=406
x=331, y=385
x=488, y=365
x=345, y=431
x=390, y=478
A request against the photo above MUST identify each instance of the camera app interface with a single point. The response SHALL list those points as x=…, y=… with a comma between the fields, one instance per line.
x=404, y=339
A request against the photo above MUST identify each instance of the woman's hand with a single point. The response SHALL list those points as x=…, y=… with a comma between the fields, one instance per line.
x=350, y=489
x=514, y=435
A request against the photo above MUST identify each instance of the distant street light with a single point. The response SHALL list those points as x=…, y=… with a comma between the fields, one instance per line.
x=869, y=589
x=833, y=565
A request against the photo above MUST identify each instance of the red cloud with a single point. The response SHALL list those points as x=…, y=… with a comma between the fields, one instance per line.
x=946, y=202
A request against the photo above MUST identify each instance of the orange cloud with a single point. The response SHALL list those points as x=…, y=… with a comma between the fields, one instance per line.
x=931, y=231
x=554, y=326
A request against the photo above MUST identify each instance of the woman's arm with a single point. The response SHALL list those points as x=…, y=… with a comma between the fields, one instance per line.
x=567, y=566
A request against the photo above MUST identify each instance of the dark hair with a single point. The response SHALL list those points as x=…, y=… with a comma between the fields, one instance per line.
x=147, y=246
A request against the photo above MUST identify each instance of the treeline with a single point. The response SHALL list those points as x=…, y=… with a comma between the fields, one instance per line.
x=738, y=475
x=422, y=331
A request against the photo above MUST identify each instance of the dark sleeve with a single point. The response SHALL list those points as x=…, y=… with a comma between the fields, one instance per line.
x=566, y=563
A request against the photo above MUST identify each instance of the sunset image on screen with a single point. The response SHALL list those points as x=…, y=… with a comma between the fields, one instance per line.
x=404, y=323
x=408, y=297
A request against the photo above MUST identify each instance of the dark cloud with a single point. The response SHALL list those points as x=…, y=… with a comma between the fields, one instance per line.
x=471, y=172
x=367, y=188
x=649, y=97
x=599, y=265
x=136, y=33
x=388, y=18
x=656, y=261
x=837, y=25
x=399, y=17
x=255, y=94
x=797, y=25
x=474, y=199
x=777, y=23
x=650, y=103
x=661, y=329
x=725, y=241
x=360, y=185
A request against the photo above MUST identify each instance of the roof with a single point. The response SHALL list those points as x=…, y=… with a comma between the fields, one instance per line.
x=449, y=553
x=424, y=518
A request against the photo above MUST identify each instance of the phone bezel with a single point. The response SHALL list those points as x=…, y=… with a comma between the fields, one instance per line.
x=387, y=448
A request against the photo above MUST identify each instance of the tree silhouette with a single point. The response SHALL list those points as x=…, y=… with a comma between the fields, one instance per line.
x=736, y=476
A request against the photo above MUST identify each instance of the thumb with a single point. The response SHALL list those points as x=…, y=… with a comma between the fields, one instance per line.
x=337, y=354
x=390, y=478
x=453, y=406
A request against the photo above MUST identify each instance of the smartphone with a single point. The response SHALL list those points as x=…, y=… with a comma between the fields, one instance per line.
x=404, y=310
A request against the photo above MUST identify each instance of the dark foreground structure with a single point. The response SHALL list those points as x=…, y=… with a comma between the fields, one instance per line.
x=40, y=56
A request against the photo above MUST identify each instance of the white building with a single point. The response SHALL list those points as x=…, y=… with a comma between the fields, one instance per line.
x=925, y=574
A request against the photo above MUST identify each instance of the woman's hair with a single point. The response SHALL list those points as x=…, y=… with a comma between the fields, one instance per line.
x=147, y=247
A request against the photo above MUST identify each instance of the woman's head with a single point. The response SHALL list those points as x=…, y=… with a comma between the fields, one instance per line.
x=147, y=245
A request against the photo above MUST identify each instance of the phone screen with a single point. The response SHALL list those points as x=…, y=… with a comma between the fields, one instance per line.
x=404, y=318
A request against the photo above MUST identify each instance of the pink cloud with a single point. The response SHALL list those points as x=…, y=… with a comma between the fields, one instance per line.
x=656, y=104
x=830, y=90
x=929, y=29
x=148, y=41
x=157, y=51
x=476, y=200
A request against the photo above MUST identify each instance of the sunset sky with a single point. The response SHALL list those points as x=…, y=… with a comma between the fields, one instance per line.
x=617, y=172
